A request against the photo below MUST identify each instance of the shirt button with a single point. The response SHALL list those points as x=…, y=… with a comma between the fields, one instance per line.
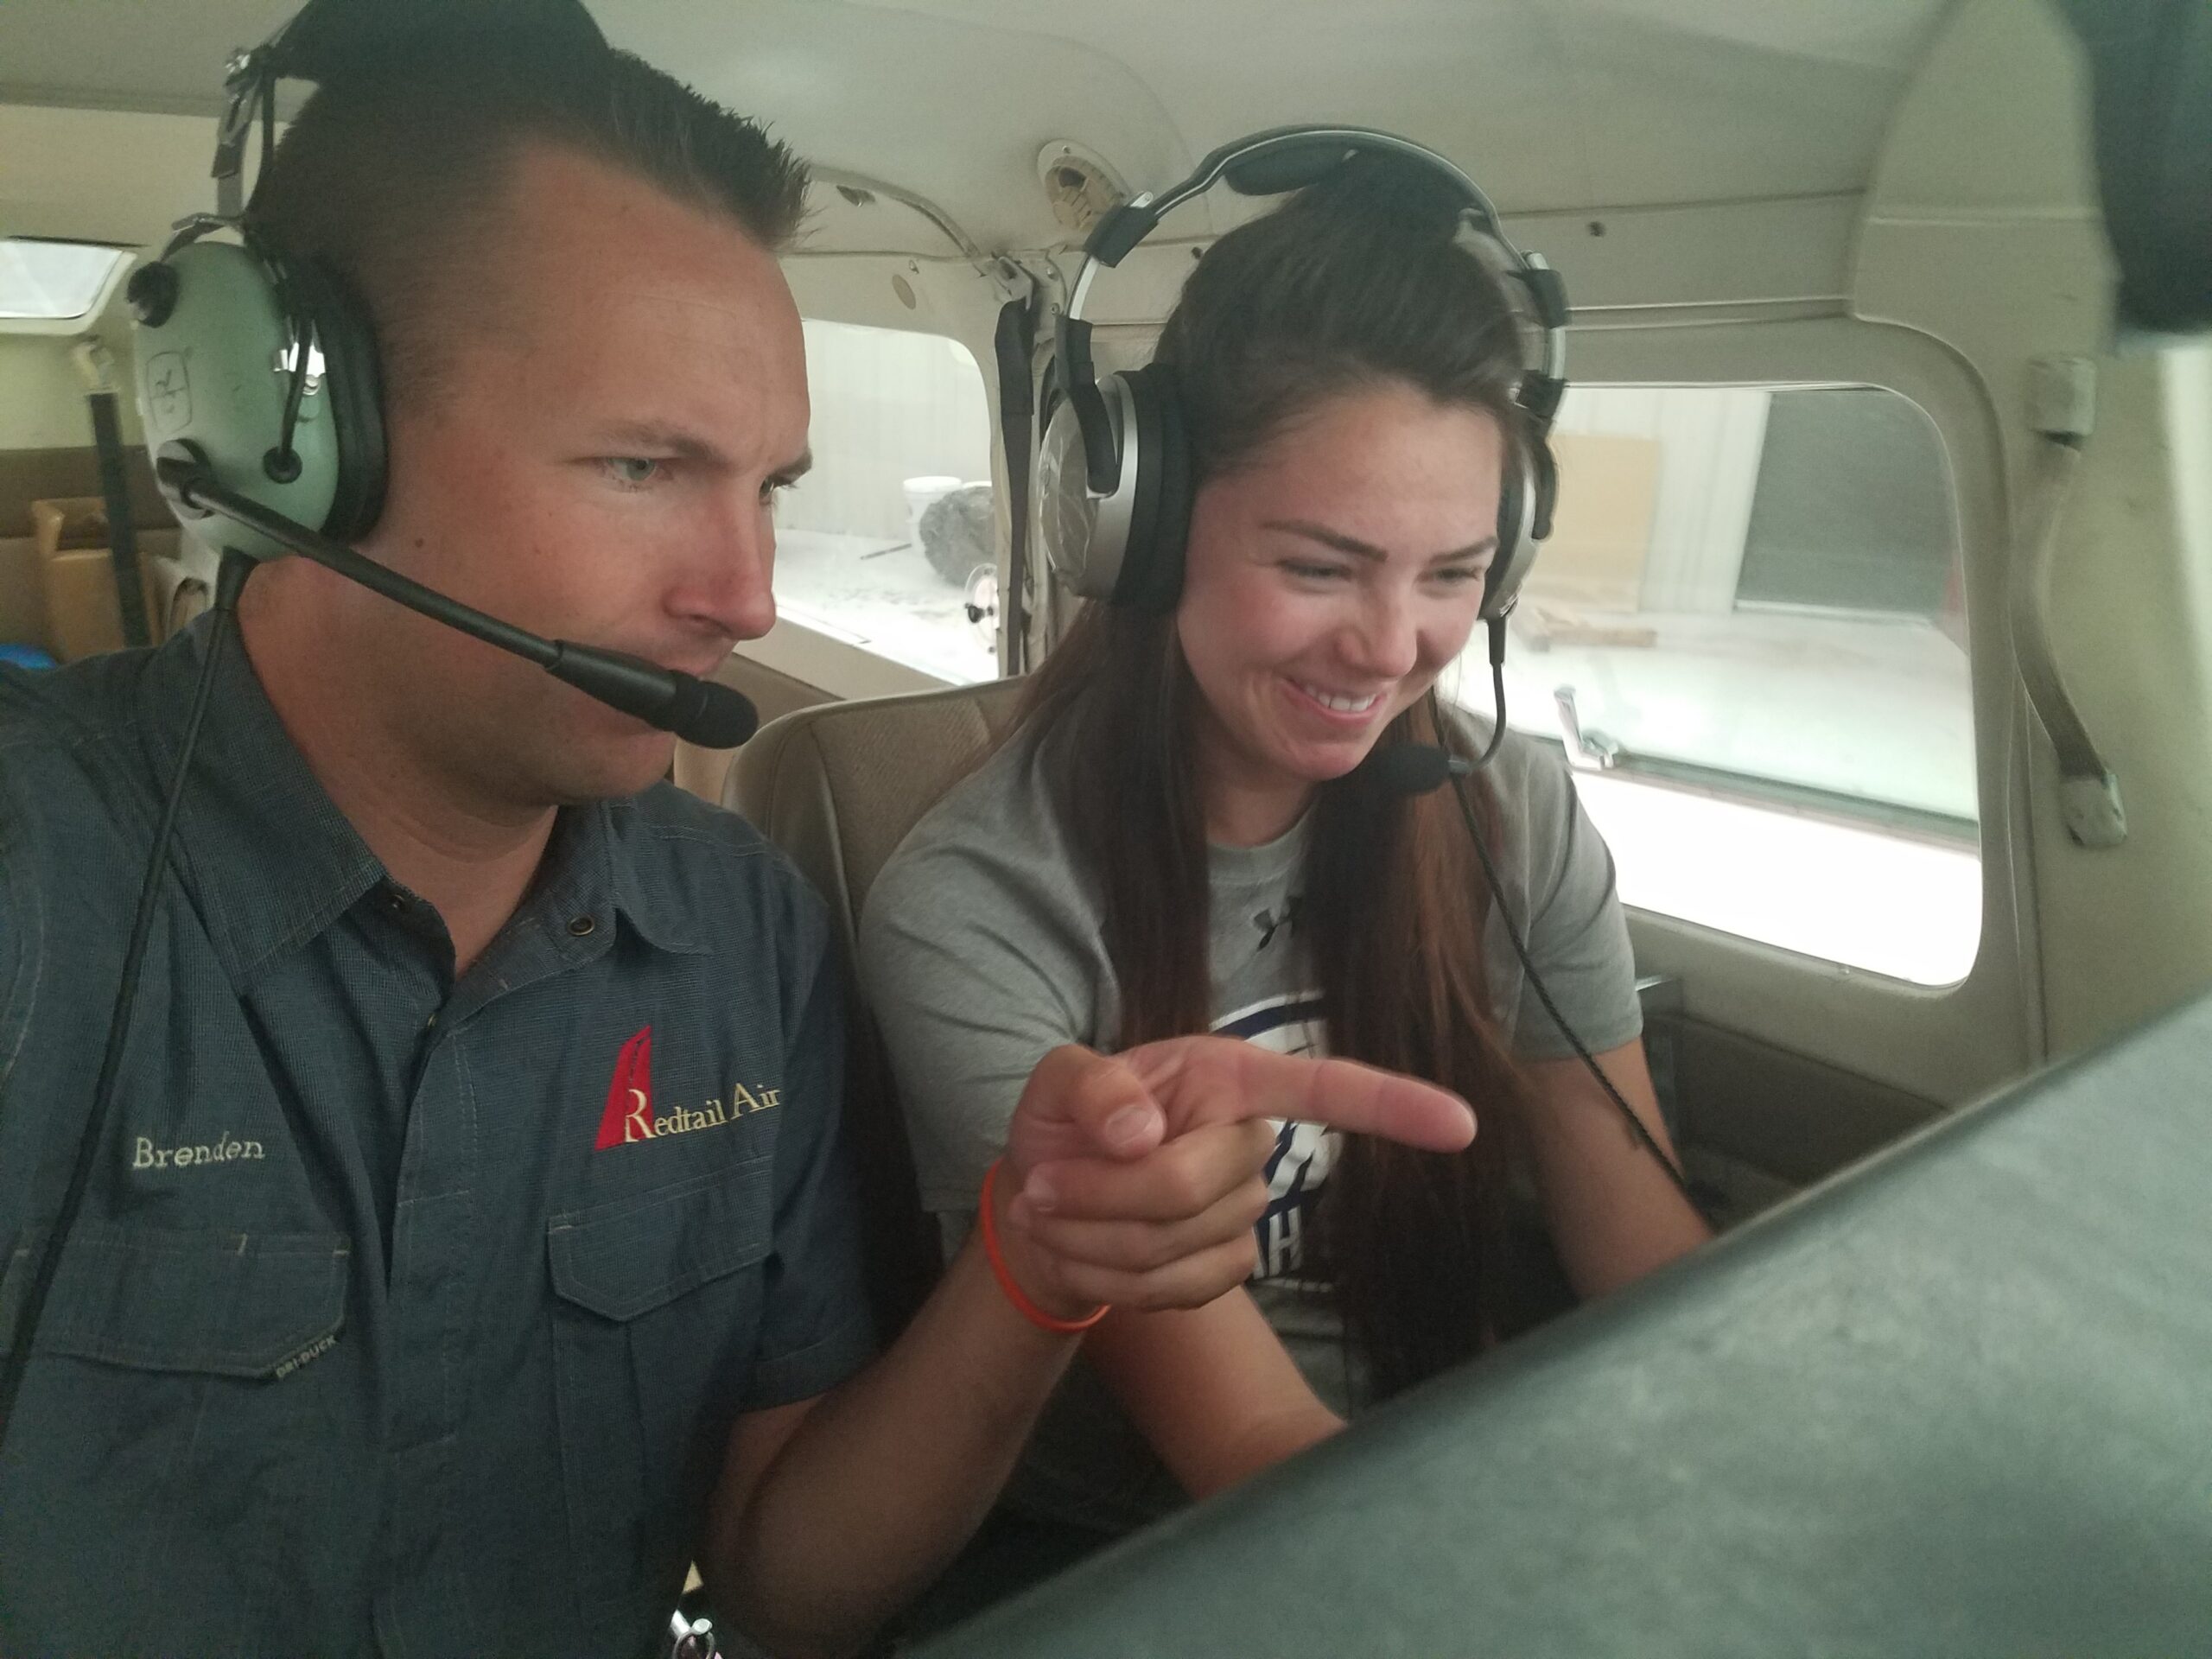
x=430, y=1024
x=582, y=925
x=394, y=905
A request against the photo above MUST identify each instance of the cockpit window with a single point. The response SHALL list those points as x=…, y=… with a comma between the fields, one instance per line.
x=1749, y=629
x=890, y=542
x=52, y=281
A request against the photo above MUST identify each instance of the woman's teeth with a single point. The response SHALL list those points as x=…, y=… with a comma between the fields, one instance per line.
x=1341, y=705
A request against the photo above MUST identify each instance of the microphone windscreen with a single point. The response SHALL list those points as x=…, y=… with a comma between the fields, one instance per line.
x=698, y=711
x=714, y=717
x=1411, y=768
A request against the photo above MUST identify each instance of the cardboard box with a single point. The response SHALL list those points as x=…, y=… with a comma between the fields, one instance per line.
x=22, y=593
x=77, y=569
x=1601, y=534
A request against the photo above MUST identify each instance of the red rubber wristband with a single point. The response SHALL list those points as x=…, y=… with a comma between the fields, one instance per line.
x=1028, y=1310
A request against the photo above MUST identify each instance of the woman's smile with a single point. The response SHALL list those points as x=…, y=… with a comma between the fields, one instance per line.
x=1331, y=578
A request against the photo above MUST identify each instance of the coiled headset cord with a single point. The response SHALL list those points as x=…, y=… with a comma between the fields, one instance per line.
x=230, y=582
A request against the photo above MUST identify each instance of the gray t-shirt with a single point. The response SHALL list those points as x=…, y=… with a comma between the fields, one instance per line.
x=981, y=949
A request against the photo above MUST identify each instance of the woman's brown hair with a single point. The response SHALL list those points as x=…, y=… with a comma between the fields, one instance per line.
x=1358, y=282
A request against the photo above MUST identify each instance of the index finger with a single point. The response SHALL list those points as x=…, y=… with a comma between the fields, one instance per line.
x=1218, y=1080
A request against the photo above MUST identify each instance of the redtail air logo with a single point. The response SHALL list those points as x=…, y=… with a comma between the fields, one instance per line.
x=631, y=1115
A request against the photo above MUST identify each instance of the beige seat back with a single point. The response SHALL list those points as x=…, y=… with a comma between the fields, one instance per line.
x=838, y=787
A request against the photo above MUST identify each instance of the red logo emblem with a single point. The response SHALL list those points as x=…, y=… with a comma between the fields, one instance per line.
x=629, y=1116
x=630, y=1096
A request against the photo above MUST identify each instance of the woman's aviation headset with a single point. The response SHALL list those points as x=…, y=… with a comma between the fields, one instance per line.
x=1114, y=470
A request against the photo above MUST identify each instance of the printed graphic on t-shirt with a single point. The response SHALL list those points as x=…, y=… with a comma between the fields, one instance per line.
x=1304, y=1153
x=1272, y=920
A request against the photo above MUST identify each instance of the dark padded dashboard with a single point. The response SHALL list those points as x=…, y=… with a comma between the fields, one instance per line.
x=1955, y=1400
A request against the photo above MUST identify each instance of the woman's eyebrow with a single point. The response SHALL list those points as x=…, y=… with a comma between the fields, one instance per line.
x=1343, y=543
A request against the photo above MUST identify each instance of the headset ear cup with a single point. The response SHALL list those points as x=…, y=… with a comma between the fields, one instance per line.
x=1171, y=527
x=1543, y=489
x=352, y=373
x=1141, y=481
x=1081, y=537
x=1516, y=543
x=216, y=373
x=1160, y=512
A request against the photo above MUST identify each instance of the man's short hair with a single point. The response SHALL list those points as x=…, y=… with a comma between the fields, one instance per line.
x=394, y=173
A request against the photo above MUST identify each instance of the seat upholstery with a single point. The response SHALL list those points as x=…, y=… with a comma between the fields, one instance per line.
x=838, y=787
x=705, y=772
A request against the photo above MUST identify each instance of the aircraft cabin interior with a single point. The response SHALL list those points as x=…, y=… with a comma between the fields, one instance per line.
x=1875, y=624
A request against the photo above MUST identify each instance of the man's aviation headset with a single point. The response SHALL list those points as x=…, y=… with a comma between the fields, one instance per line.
x=262, y=368
x=1115, y=471
x=258, y=366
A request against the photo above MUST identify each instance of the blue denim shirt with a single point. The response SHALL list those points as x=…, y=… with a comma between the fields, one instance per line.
x=406, y=1313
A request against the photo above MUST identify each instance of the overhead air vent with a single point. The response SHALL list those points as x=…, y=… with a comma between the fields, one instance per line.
x=1079, y=184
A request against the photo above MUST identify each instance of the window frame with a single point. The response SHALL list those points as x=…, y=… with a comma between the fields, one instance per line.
x=1949, y=1042
x=1781, y=795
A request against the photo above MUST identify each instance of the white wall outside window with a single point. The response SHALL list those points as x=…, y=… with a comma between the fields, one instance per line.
x=888, y=407
x=1749, y=608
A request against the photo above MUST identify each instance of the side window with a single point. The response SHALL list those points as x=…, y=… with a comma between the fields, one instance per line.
x=1748, y=629
x=889, y=542
x=54, y=282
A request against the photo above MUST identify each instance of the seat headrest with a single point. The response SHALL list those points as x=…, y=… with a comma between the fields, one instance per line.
x=839, y=785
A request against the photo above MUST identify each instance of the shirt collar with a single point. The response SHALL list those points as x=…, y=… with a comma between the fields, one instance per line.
x=638, y=873
x=273, y=861
x=270, y=858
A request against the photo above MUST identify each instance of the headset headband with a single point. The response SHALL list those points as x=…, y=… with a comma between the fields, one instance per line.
x=330, y=38
x=1271, y=163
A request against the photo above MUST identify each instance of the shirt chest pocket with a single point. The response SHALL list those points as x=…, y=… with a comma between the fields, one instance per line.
x=161, y=1392
x=657, y=1303
x=236, y=1305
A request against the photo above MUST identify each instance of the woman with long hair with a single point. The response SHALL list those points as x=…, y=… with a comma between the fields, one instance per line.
x=1179, y=835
